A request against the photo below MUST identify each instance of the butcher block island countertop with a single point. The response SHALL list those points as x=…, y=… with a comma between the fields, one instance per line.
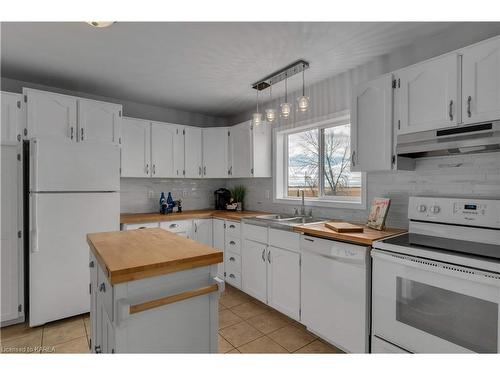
x=138, y=254
x=367, y=237
x=186, y=215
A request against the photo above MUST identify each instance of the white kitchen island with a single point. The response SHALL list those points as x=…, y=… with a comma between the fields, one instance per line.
x=153, y=291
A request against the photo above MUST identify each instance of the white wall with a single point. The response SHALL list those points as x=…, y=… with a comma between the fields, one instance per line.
x=476, y=176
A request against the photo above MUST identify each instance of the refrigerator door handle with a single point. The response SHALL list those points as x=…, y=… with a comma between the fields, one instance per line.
x=34, y=224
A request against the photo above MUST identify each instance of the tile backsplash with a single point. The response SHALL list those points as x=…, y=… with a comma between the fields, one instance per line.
x=143, y=194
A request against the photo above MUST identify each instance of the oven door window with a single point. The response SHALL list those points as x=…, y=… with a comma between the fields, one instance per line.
x=458, y=318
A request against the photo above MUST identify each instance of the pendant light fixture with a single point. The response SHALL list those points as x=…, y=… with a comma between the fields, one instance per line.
x=286, y=107
x=303, y=101
x=257, y=116
x=270, y=112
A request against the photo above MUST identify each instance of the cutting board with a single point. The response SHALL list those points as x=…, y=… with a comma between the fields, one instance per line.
x=343, y=227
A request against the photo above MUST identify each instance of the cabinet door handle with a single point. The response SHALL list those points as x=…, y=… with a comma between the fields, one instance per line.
x=199, y=171
x=231, y=259
x=91, y=264
x=71, y=131
x=147, y=169
x=352, y=158
x=205, y=170
x=230, y=172
x=451, y=110
x=102, y=288
x=469, y=100
x=97, y=349
x=269, y=256
x=195, y=227
x=264, y=255
x=81, y=133
x=154, y=169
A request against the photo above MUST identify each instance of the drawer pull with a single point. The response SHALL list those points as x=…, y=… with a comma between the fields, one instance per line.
x=232, y=226
x=232, y=243
x=172, y=226
x=97, y=349
x=133, y=309
x=232, y=276
x=102, y=288
x=308, y=239
x=231, y=259
x=91, y=264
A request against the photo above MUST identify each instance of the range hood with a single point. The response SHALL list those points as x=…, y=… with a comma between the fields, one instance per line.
x=470, y=139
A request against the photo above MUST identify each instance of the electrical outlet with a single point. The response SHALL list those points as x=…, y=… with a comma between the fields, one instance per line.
x=184, y=194
x=268, y=194
x=151, y=194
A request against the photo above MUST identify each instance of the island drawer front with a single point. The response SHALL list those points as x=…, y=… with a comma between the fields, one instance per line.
x=233, y=229
x=176, y=226
x=233, y=244
x=105, y=292
x=233, y=278
x=255, y=233
x=154, y=224
x=284, y=239
x=232, y=262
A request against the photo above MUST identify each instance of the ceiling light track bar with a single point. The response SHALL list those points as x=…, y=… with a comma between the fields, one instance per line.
x=278, y=76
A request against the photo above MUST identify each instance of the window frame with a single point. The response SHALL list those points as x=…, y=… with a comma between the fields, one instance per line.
x=280, y=165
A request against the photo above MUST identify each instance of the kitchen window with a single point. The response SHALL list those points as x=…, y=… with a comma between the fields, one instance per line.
x=316, y=159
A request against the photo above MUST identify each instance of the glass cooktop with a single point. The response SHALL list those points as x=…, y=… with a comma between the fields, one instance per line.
x=458, y=246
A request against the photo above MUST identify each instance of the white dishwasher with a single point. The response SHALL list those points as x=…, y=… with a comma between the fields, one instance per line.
x=335, y=292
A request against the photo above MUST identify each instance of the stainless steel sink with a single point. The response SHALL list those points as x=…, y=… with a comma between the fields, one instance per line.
x=276, y=217
x=281, y=221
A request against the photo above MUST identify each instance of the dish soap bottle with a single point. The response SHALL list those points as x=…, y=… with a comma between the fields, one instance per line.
x=163, y=204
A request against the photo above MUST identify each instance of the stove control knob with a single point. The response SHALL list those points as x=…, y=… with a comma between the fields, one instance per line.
x=435, y=209
x=421, y=208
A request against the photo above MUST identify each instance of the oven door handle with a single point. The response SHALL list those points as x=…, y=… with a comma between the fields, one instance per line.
x=462, y=272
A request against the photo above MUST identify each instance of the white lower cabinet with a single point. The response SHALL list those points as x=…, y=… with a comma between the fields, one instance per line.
x=187, y=326
x=182, y=228
x=202, y=231
x=283, y=281
x=254, y=269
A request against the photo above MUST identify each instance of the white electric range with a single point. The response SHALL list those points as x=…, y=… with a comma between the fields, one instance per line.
x=436, y=289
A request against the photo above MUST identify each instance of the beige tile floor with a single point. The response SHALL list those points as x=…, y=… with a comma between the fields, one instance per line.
x=245, y=326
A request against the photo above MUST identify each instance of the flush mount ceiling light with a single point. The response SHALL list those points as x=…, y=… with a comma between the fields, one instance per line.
x=278, y=76
x=100, y=24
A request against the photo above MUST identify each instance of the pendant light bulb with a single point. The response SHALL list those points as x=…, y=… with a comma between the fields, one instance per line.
x=257, y=116
x=270, y=112
x=303, y=101
x=286, y=108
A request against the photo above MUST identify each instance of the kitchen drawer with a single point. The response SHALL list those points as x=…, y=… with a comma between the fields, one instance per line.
x=233, y=228
x=177, y=226
x=232, y=262
x=140, y=226
x=233, y=278
x=284, y=239
x=255, y=233
x=233, y=244
x=104, y=292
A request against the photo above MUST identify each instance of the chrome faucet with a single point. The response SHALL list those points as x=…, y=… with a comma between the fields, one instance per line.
x=302, y=206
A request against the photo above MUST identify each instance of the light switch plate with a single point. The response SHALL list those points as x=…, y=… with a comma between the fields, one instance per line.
x=151, y=194
x=268, y=194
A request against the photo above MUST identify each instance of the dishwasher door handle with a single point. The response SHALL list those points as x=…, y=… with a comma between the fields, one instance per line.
x=335, y=258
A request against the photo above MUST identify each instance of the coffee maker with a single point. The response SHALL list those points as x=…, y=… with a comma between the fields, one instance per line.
x=222, y=198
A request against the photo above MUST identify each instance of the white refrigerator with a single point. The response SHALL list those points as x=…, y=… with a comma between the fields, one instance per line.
x=74, y=190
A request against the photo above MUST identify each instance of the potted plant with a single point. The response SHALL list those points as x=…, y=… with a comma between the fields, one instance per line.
x=238, y=194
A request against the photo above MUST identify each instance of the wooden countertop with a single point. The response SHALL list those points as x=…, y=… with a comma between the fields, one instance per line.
x=142, y=253
x=367, y=237
x=186, y=215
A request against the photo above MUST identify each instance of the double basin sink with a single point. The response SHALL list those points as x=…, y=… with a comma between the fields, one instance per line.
x=281, y=221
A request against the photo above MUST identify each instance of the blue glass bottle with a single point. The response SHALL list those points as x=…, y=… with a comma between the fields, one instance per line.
x=163, y=203
x=170, y=203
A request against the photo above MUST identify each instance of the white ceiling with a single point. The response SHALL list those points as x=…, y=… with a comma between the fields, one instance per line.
x=200, y=67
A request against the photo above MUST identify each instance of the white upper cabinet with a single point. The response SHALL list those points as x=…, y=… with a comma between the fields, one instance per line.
x=481, y=82
x=99, y=121
x=250, y=150
x=215, y=152
x=167, y=150
x=136, y=152
x=50, y=114
x=240, y=150
x=12, y=120
x=371, y=125
x=193, y=152
x=428, y=95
